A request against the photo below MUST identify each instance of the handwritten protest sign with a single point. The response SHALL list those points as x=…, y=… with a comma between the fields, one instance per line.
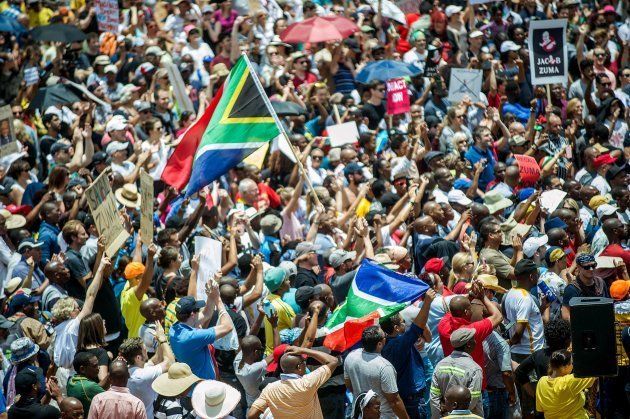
x=548, y=56
x=146, y=207
x=340, y=134
x=107, y=15
x=103, y=207
x=209, y=251
x=464, y=82
x=8, y=149
x=529, y=169
x=397, y=97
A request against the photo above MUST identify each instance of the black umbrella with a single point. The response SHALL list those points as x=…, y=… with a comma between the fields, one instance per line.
x=288, y=108
x=58, y=32
x=59, y=94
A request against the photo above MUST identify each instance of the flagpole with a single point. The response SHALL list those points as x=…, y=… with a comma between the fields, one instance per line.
x=280, y=127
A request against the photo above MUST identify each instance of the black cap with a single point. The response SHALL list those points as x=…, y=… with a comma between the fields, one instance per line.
x=187, y=305
x=58, y=146
x=431, y=155
x=614, y=170
x=99, y=157
x=25, y=380
x=524, y=267
x=304, y=294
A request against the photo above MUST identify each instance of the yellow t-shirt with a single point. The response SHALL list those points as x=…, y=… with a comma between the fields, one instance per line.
x=39, y=18
x=130, y=309
x=562, y=397
x=285, y=320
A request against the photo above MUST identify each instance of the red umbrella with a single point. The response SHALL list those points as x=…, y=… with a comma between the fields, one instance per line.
x=319, y=29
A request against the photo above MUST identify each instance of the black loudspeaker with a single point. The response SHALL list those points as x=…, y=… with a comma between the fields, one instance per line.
x=593, y=337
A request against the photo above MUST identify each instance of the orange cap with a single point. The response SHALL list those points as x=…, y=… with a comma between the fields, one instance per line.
x=619, y=289
x=134, y=270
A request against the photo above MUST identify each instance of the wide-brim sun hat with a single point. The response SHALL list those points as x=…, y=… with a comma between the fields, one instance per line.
x=213, y=399
x=175, y=381
x=128, y=196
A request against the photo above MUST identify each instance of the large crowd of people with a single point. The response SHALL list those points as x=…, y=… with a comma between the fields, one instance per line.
x=438, y=194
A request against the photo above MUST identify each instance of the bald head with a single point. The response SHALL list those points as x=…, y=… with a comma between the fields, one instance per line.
x=426, y=225
x=290, y=363
x=228, y=293
x=119, y=373
x=147, y=307
x=556, y=236
x=457, y=397
x=250, y=344
x=71, y=408
x=459, y=306
x=613, y=229
x=512, y=175
x=478, y=212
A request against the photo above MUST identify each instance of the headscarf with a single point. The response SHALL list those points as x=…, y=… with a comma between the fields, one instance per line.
x=361, y=402
x=134, y=270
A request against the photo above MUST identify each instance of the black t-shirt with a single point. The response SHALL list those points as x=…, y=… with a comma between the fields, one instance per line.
x=340, y=285
x=32, y=409
x=108, y=306
x=78, y=270
x=305, y=277
x=374, y=114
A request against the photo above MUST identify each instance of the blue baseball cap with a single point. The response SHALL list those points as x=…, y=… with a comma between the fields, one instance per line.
x=525, y=193
x=555, y=222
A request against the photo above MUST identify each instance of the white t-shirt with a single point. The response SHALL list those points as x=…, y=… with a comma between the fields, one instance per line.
x=556, y=284
x=66, y=339
x=520, y=307
x=139, y=384
x=158, y=158
x=198, y=53
x=124, y=169
x=250, y=377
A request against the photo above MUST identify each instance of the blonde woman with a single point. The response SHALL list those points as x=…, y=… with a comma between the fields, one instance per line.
x=453, y=123
x=463, y=267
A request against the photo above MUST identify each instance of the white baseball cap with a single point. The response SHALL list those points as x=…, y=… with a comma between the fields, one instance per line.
x=459, y=197
x=606, y=209
x=451, y=10
x=533, y=243
x=509, y=46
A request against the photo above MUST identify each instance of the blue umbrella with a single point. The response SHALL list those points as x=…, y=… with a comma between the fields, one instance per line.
x=385, y=70
x=8, y=24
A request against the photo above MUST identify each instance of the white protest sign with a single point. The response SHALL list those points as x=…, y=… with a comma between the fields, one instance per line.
x=107, y=15
x=389, y=10
x=103, y=208
x=465, y=82
x=548, y=56
x=146, y=207
x=341, y=134
x=179, y=88
x=209, y=251
x=282, y=144
x=550, y=200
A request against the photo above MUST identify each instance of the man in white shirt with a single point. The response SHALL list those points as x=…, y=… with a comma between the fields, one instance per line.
x=143, y=371
x=526, y=336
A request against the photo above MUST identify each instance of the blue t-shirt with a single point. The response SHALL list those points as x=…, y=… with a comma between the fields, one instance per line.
x=190, y=346
x=406, y=359
x=473, y=155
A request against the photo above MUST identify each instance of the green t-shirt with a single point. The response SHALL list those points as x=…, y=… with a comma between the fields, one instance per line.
x=83, y=389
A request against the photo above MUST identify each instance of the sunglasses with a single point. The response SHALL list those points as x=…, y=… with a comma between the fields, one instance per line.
x=317, y=157
x=588, y=267
x=303, y=62
x=600, y=55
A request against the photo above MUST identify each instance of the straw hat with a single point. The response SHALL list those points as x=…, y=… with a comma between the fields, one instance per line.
x=13, y=220
x=384, y=260
x=490, y=282
x=175, y=381
x=214, y=399
x=128, y=195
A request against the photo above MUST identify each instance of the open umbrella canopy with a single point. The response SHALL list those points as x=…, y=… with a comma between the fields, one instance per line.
x=287, y=108
x=319, y=29
x=58, y=32
x=11, y=25
x=59, y=94
x=384, y=70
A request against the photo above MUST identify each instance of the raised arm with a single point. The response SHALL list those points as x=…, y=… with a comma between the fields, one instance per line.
x=145, y=282
x=90, y=295
x=257, y=273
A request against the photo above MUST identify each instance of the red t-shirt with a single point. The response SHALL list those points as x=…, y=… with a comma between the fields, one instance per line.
x=617, y=251
x=483, y=328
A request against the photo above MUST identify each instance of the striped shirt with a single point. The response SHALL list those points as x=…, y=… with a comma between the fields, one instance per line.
x=170, y=318
x=173, y=408
x=457, y=369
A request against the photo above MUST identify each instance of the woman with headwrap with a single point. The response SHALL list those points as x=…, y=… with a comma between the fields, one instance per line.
x=584, y=284
x=367, y=406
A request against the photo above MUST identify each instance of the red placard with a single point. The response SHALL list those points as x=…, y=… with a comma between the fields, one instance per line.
x=397, y=97
x=530, y=171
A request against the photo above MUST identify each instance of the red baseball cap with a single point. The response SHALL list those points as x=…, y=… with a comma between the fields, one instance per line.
x=603, y=159
x=434, y=265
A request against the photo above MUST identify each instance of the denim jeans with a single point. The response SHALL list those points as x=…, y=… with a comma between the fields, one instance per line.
x=416, y=405
x=497, y=406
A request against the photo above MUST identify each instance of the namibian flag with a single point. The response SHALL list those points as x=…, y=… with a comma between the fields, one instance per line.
x=238, y=121
x=376, y=293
